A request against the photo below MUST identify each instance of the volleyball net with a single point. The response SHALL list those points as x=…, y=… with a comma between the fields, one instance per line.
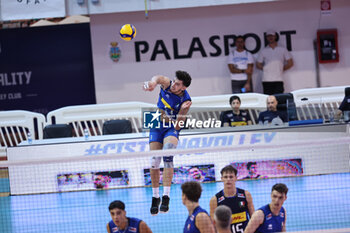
x=72, y=194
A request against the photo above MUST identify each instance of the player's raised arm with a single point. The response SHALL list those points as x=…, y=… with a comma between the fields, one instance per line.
x=156, y=80
x=254, y=223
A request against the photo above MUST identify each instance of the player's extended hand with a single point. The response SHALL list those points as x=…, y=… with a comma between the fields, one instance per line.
x=186, y=105
x=149, y=85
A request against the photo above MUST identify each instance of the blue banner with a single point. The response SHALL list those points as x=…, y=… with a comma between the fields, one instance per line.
x=46, y=68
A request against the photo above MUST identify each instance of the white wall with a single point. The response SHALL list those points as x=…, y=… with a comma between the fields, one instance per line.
x=121, y=81
x=110, y=6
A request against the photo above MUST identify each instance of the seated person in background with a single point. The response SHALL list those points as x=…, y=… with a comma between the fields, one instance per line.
x=344, y=109
x=235, y=117
x=272, y=116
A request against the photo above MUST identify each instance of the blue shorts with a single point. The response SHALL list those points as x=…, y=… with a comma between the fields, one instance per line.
x=158, y=135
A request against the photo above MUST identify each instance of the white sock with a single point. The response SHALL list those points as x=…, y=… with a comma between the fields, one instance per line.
x=155, y=192
x=166, y=191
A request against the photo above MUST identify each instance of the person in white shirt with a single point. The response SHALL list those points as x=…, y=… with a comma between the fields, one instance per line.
x=240, y=63
x=273, y=60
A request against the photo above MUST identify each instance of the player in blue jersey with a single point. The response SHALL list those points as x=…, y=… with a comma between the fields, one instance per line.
x=198, y=220
x=240, y=201
x=271, y=217
x=173, y=105
x=122, y=224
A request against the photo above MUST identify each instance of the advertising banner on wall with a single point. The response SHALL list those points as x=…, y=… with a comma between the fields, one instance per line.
x=268, y=168
x=200, y=173
x=78, y=181
x=49, y=69
x=31, y=9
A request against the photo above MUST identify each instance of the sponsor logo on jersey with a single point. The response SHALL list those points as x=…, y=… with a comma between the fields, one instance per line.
x=115, y=229
x=132, y=229
x=269, y=216
x=269, y=227
x=192, y=217
x=221, y=199
x=239, y=217
x=188, y=226
x=282, y=215
x=238, y=123
x=241, y=195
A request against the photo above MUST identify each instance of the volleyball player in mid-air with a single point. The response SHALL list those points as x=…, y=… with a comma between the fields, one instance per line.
x=173, y=105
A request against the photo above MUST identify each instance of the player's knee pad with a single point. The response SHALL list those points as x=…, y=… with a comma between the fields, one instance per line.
x=168, y=146
x=155, y=162
x=168, y=161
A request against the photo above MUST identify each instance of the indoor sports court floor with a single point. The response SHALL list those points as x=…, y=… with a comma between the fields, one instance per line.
x=314, y=202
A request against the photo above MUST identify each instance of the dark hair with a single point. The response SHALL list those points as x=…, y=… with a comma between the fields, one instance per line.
x=116, y=204
x=234, y=97
x=184, y=77
x=222, y=216
x=240, y=37
x=228, y=169
x=250, y=164
x=192, y=190
x=281, y=188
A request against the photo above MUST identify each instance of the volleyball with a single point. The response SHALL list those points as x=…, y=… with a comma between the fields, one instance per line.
x=127, y=32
